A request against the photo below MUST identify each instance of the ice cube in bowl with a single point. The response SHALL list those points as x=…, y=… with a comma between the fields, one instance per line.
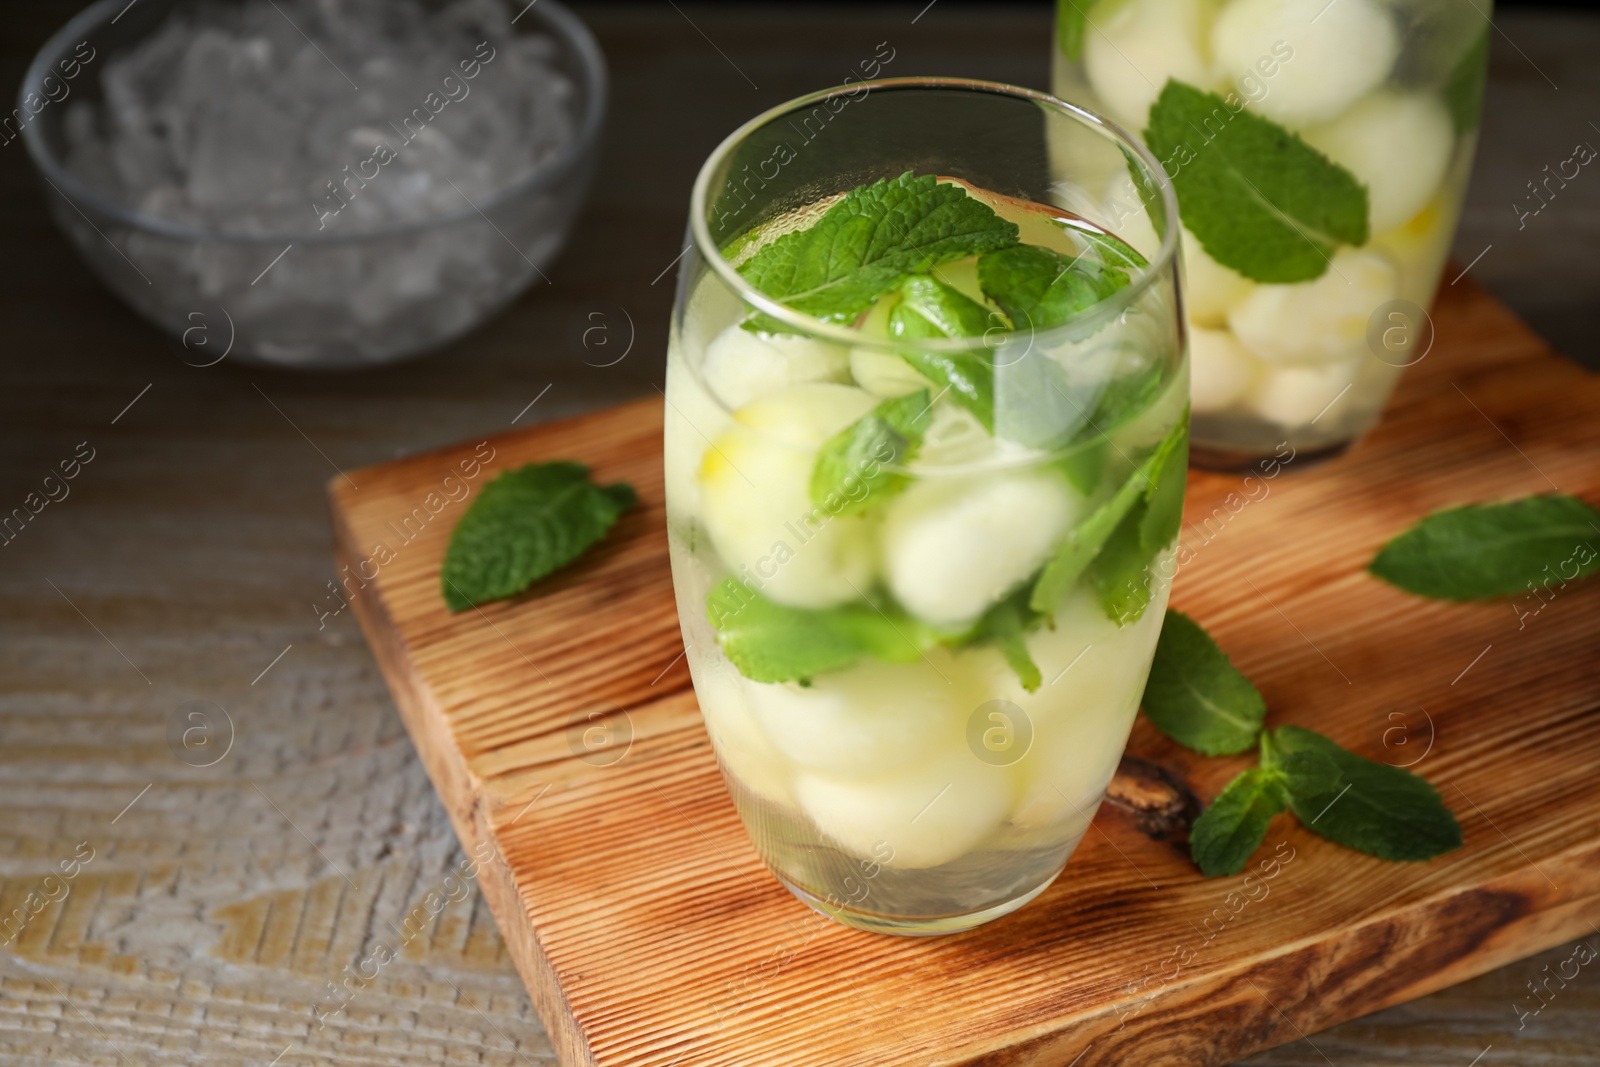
x=322, y=185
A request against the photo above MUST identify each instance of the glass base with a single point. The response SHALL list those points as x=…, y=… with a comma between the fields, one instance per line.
x=916, y=926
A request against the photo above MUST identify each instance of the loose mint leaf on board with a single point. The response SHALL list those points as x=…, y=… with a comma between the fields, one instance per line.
x=1481, y=551
x=769, y=642
x=525, y=524
x=1081, y=546
x=871, y=239
x=850, y=475
x=1463, y=92
x=1196, y=696
x=1306, y=772
x=1233, y=827
x=1259, y=199
x=1384, y=811
x=1039, y=288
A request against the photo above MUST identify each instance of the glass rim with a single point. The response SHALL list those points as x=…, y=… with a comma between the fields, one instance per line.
x=1115, y=304
x=565, y=26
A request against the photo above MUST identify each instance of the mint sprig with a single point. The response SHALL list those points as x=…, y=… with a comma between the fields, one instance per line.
x=1482, y=551
x=852, y=468
x=1384, y=811
x=870, y=240
x=526, y=524
x=1259, y=199
x=1196, y=696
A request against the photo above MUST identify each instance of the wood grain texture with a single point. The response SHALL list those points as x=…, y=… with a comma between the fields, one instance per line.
x=649, y=933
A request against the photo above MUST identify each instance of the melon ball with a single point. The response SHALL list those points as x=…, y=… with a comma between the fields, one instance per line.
x=693, y=419
x=955, y=438
x=1211, y=289
x=740, y=366
x=745, y=751
x=1094, y=675
x=1129, y=55
x=929, y=816
x=1342, y=50
x=883, y=373
x=1323, y=319
x=1396, y=144
x=755, y=496
x=952, y=546
x=1420, y=245
x=872, y=719
x=1221, y=371
x=1295, y=397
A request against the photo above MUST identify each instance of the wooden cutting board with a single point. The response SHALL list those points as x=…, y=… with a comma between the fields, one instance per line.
x=561, y=731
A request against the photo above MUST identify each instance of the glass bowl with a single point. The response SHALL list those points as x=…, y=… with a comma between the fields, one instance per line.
x=322, y=300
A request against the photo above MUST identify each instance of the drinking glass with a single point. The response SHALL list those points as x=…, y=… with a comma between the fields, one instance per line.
x=924, y=786
x=1299, y=354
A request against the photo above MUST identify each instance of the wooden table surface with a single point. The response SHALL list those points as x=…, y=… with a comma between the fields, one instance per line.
x=182, y=585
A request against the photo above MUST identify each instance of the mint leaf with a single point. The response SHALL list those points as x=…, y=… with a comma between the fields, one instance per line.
x=1007, y=624
x=1121, y=573
x=1481, y=551
x=1080, y=547
x=1233, y=827
x=1072, y=21
x=1085, y=465
x=525, y=524
x=849, y=473
x=1123, y=398
x=1463, y=91
x=1384, y=811
x=1163, y=513
x=865, y=244
x=1040, y=289
x=769, y=642
x=1196, y=696
x=929, y=308
x=1307, y=772
x=1113, y=251
x=1033, y=400
x=1259, y=199
x=968, y=377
